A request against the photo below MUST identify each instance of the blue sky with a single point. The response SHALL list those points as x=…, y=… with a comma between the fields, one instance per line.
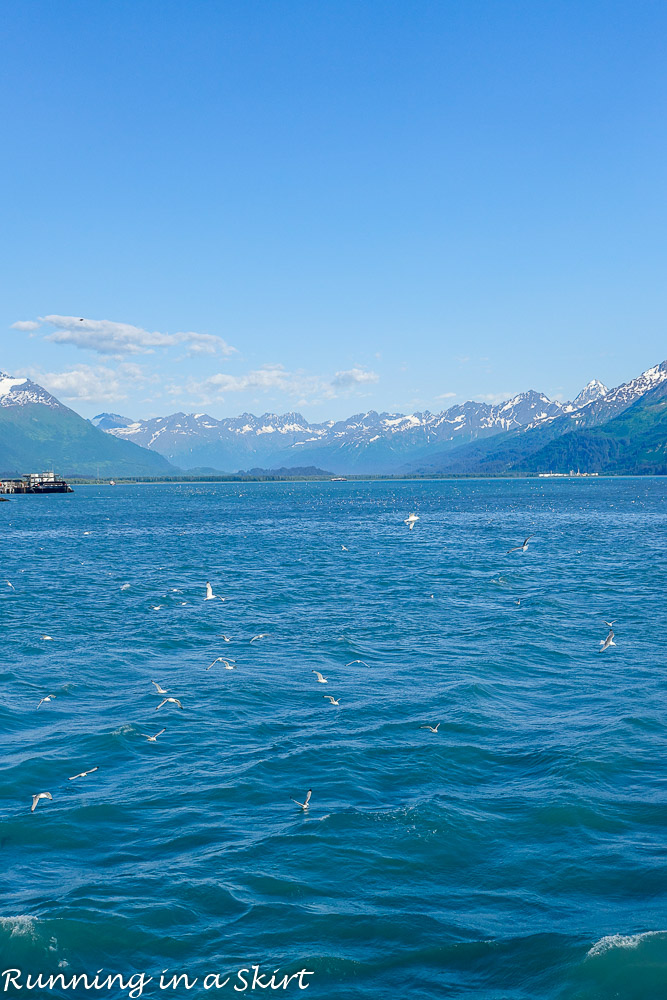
x=331, y=205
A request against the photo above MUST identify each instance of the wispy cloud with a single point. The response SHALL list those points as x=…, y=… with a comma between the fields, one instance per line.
x=276, y=378
x=447, y=395
x=352, y=377
x=25, y=325
x=109, y=337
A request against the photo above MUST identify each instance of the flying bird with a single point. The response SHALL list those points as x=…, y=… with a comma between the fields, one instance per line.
x=411, y=520
x=262, y=635
x=344, y=548
x=125, y=586
x=221, y=659
x=356, y=661
x=84, y=773
x=160, y=690
x=304, y=805
x=331, y=699
x=42, y=795
x=609, y=641
x=433, y=729
x=157, y=607
x=10, y=585
x=210, y=596
x=225, y=638
x=520, y=548
x=48, y=638
x=49, y=697
x=164, y=701
x=320, y=678
x=152, y=739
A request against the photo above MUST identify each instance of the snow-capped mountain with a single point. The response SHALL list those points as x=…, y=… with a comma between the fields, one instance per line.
x=38, y=432
x=21, y=392
x=594, y=390
x=107, y=421
x=614, y=401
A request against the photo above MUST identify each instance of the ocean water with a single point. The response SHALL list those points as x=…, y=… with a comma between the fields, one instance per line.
x=519, y=852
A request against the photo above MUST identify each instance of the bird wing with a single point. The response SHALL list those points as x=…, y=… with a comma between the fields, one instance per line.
x=163, y=702
x=308, y=797
x=35, y=800
x=160, y=733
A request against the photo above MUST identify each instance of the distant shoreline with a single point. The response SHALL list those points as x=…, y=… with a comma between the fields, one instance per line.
x=150, y=480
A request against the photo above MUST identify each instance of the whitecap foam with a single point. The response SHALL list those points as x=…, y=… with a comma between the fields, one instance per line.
x=620, y=941
x=21, y=926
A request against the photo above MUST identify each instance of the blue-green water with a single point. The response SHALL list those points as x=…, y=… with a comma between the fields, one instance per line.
x=519, y=852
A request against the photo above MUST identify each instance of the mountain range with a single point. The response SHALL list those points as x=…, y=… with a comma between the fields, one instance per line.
x=472, y=437
x=602, y=430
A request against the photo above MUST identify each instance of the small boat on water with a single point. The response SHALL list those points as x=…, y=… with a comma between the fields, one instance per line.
x=339, y=479
x=112, y=482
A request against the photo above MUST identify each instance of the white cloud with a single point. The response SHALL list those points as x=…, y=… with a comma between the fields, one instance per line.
x=93, y=384
x=117, y=339
x=446, y=395
x=353, y=376
x=25, y=325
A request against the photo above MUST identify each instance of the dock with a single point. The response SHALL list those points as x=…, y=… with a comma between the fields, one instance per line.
x=35, y=482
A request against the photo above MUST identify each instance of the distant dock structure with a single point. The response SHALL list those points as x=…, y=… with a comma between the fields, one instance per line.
x=36, y=482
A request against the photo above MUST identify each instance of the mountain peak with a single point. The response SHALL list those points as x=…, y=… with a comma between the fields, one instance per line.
x=593, y=390
x=21, y=391
x=105, y=421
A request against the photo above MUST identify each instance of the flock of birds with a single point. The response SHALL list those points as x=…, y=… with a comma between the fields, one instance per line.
x=229, y=664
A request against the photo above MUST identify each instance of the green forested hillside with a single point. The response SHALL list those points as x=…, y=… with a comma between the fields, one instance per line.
x=34, y=437
x=635, y=442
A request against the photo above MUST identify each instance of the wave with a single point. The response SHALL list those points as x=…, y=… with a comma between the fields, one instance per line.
x=612, y=941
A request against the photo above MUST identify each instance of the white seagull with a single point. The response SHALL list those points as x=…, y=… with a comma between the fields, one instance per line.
x=262, y=635
x=10, y=585
x=520, y=548
x=304, y=805
x=152, y=739
x=344, y=548
x=221, y=659
x=609, y=641
x=157, y=607
x=160, y=690
x=47, y=638
x=433, y=729
x=411, y=520
x=320, y=678
x=210, y=596
x=125, y=586
x=84, y=773
x=174, y=701
x=36, y=798
x=331, y=699
x=225, y=638
x=49, y=697
x=356, y=661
